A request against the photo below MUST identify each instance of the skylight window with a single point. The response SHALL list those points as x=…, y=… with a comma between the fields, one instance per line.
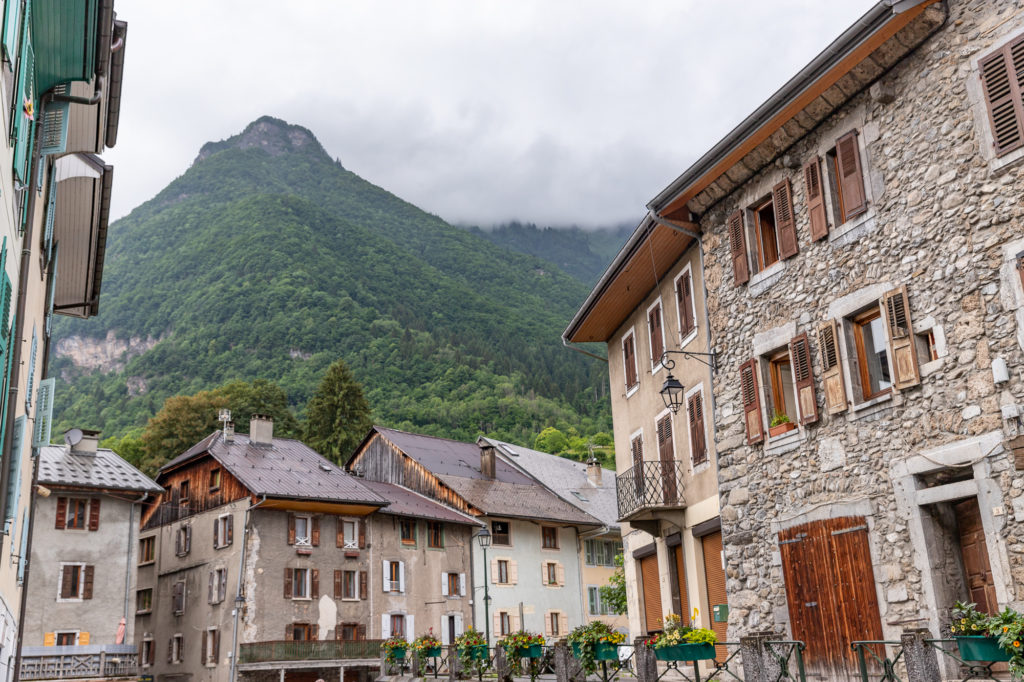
x=579, y=496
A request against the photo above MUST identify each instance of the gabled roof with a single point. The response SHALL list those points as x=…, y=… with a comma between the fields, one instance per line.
x=405, y=502
x=286, y=469
x=103, y=471
x=566, y=478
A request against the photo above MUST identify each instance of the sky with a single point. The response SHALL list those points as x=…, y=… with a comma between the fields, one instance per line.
x=556, y=112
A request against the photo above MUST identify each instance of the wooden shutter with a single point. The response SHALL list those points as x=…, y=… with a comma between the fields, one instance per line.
x=314, y=631
x=714, y=576
x=216, y=533
x=815, y=199
x=287, y=583
x=170, y=650
x=223, y=585
x=738, y=248
x=684, y=299
x=751, y=402
x=513, y=571
x=563, y=624
x=896, y=311
x=785, y=221
x=337, y=584
x=1003, y=95
x=362, y=584
x=65, y=583
x=664, y=428
x=339, y=535
x=188, y=539
x=362, y=533
x=314, y=590
x=560, y=574
x=629, y=358
x=210, y=586
x=361, y=632
x=684, y=597
x=230, y=529
x=657, y=339
x=831, y=368
x=851, y=176
x=315, y=521
x=62, y=513
x=216, y=646
x=698, y=444
x=94, y=513
x=807, y=401
x=652, y=593
x=289, y=632
x=177, y=542
x=203, y=652
x=291, y=529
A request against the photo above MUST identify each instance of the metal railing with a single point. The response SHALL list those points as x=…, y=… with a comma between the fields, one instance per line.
x=322, y=650
x=785, y=654
x=972, y=670
x=868, y=655
x=649, y=484
x=73, y=662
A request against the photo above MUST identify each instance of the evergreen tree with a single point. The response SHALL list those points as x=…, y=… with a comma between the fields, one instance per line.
x=337, y=416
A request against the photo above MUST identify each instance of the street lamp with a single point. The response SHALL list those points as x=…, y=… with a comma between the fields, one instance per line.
x=484, y=538
x=672, y=390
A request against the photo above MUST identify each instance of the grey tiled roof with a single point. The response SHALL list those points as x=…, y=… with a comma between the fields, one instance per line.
x=444, y=457
x=286, y=469
x=104, y=470
x=567, y=478
x=405, y=502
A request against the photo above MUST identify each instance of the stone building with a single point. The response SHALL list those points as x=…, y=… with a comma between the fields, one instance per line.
x=863, y=250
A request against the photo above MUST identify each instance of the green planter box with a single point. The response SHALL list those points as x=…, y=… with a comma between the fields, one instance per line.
x=397, y=654
x=532, y=651
x=603, y=651
x=478, y=652
x=981, y=649
x=686, y=652
x=432, y=652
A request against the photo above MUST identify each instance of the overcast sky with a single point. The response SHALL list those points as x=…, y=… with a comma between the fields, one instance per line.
x=548, y=111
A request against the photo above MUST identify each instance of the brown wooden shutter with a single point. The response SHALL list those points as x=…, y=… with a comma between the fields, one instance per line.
x=216, y=533
x=665, y=453
x=657, y=340
x=684, y=596
x=815, y=199
x=314, y=631
x=231, y=529
x=684, y=297
x=287, y=583
x=652, y=593
x=1020, y=268
x=831, y=368
x=362, y=585
x=637, y=447
x=337, y=584
x=896, y=311
x=751, y=402
x=316, y=531
x=223, y=585
x=170, y=650
x=203, y=652
x=339, y=531
x=629, y=355
x=188, y=539
x=785, y=221
x=738, y=248
x=291, y=529
x=289, y=632
x=851, y=176
x=695, y=407
x=65, y=583
x=62, y=513
x=361, y=632
x=1003, y=95
x=362, y=533
x=216, y=646
x=807, y=401
x=87, y=582
x=94, y=513
x=315, y=584
x=210, y=587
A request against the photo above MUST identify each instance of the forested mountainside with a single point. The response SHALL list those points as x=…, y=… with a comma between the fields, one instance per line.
x=268, y=259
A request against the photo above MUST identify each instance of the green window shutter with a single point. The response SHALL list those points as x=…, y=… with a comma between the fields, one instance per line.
x=30, y=385
x=592, y=594
x=14, y=469
x=12, y=24
x=53, y=289
x=24, y=92
x=42, y=431
x=51, y=210
x=55, y=127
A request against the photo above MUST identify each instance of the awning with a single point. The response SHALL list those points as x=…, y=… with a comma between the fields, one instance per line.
x=81, y=214
x=65, y=38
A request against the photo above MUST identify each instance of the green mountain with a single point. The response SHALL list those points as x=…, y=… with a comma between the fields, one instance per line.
x=267, y=259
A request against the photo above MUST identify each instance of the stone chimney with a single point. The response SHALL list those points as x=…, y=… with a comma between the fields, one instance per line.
x=261, y=430
x=487, y=463
x=87, y=444
x=229, y=432
x=594, y=472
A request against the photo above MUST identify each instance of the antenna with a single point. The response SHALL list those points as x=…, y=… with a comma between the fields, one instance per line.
x=73, y=437
x=225, y=415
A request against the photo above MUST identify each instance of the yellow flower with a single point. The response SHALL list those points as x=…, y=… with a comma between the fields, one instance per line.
x=952, y=628
x=963, y=620
x=1005, y=628
x=1016, y=644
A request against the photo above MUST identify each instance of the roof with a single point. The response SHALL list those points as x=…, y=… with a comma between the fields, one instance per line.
x=105, y=470
x=285, y=469
x=405, y=502
x=566, y=478
x=511, y=493
x=876, y=42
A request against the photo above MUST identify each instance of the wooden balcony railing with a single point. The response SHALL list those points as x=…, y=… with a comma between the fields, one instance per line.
x=324, y=650
x=73, y=662
x=649, y=485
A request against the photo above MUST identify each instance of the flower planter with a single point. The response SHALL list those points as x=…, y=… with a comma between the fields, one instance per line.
x=532, y=651
x=432, y=651
x=477, y=652
x=685, y=652
x=780, y=429
x=981, y=649
x=397, y=654
x=603, y=651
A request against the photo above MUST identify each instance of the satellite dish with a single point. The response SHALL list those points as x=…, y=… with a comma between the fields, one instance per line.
x=73, y=437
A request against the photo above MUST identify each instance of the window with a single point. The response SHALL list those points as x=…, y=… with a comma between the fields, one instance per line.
x=408, y=529
x=872, y=355
x=629, y=362
x=302, y=531
x=300, y=583
x=183, y=540
x=147, y=653
x=394, y=576
x=656, y=333
x=217, y=587
x=348, y=585
x=147, y=548
x=66, y=638
x=452, y=584
x=505, y=623
x=553, y=623
x=765, y=237
x=183, y=493
x=783, y=390
x=435, y=534
x=77, y=509
x=1003, y=95
x=551, y=573
x=301, y=632
x=222, y=530
x=846, y=179
x=177, y=648
x=350, y=632
x=211, y=647
x=549, y=537
x=685, y=305
x=596, y=607
x=601, y=552
x=927, y=347
x=214, y=480
x=144, y=600
x=178, y=598
x=500, y=533
x=75, y=582
x=503, y=572
x=695, y=422
x=348, y=535
x=397, y=625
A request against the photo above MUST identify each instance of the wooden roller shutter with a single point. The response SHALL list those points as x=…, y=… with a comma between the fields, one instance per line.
x=652, y=593
x=684, y=597
x=831, y=368
x=851, y=176
x=800, y=356
x=87, y=581
x=785, y=221
x=751, y=402
x=815, y=199
x=1003, y=95
x=738, y=248
x=714, y=579
x=896, y=311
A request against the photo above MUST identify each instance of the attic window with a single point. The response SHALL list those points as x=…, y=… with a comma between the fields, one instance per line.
x=579, y=496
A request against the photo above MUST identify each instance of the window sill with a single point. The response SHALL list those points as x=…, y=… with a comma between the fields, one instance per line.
x=655, y=368
x=786, y=442
x=853, y=229
x=632, y=390
x=700, y=467
x=764, y=280
x=147, y=563
x=932, y=366
x=688, y=339
x=302, y=599
x=144, y=613
x=871, y=408
x=999, y=164
x=69, y=600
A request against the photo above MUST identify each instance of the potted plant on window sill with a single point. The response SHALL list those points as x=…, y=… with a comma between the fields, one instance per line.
x=678, y=642
x=980, y=637
x=595, y=642
x=779, y=425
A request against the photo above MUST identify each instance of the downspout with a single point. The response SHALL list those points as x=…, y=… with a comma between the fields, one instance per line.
x=239, y=599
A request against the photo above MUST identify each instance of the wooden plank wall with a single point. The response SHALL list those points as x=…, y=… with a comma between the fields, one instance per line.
x=201, y=498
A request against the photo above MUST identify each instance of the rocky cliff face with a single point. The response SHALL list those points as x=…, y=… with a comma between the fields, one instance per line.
x=108, y=354
x=272, y=135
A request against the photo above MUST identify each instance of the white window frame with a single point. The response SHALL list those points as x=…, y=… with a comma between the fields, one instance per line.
x=222, y=531
x=60, y=582
x=630, y=390
x=655, y=362
x=699, y=388
x=307, y=584
x=686, y=272
x=354, y=542
x=217, y=596
x=355, y=584
x=58, y=633
x=306, y=541
x=211, y=660
x=138, y=591
x=502, y=616
x=508, y=571
x=147, y=661
x=152, y=541
x=177, y=644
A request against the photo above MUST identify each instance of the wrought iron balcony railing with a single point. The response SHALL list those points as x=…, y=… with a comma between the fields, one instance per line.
x=316, y=650
x=71, y=662
x=649, y=485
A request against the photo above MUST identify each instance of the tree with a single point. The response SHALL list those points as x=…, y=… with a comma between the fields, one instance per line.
x=551, y=440
x=614, y=593
x=337, y=416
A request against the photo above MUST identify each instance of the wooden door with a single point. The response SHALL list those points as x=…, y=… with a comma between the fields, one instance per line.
x=974, y=551
x=830, y=592
x=651, y=585
x=714, y=580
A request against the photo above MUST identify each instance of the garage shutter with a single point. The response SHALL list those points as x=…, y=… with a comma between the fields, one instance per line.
x=652, y=592
x=714, y=576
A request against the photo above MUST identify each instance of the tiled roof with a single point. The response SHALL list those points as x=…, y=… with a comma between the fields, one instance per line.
x=444, y=457
x=285, y=469
x=405, y=502
x=104, y=470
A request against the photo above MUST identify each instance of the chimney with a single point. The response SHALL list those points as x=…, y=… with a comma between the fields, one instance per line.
x=83, y=441
x=229, y=432
x=594, y=472
x=487, y=459
x=261, y=430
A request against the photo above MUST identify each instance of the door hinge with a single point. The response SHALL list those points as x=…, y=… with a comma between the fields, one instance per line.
x=798, y=538
x=849, y=530
x=810, y=604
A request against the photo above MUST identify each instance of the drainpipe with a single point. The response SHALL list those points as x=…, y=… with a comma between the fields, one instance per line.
x=239, y=600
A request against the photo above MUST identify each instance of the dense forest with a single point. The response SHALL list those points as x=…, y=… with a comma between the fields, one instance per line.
x=269, y=260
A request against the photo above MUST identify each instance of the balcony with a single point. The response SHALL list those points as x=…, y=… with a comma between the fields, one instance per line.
x=75, y=662
x=317, y=650
x=649, y=487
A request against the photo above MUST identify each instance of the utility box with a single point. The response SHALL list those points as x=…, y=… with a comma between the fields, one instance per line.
x=720, y=613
